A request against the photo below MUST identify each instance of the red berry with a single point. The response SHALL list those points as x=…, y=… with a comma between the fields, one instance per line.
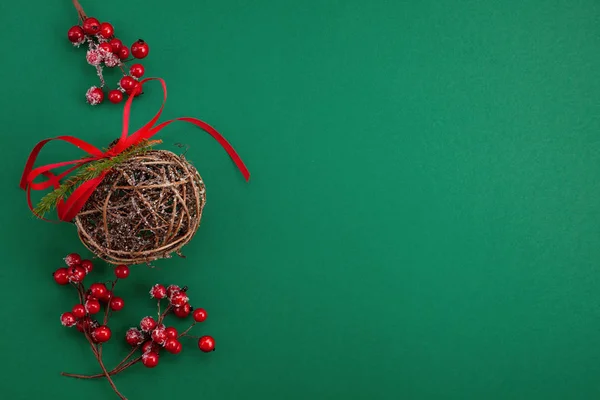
x=76, y=34
x=134, y=337
x=92, y=306
x=94, y=95
x=98, y=290
x=200, y=315
x=76, y=274
x=105, y=48
x=68, y=319
x=123, y=52
x=84, y=324
x=106, y=30
x=178, y=299
x=140, y=49
x=172, y=289
x=78, y=311
x=136, y=90
x=206, y=344
x=159, y=335
x=116, y=44
x=127, y=82
x=171, y=333
x=147, y=324
x=61, y=276
x=107, y=296
x=150, y=359
x=149, y=346
x=182, y=311
x=173, y=346
x=137, y=70
x=115, y=96
x=117, y=303
x=101, y=334
x=91, y=26
x=122, y=271
x=87, y=265
x=73, y=260
x=158, y=291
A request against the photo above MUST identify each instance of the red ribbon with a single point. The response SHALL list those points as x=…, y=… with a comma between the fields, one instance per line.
x=68, y=208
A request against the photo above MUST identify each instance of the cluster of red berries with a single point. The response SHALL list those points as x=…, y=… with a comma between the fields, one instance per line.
x=152, y=335
x=104, y=49
x=91, y=300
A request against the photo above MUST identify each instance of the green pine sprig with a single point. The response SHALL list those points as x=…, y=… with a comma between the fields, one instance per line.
x=90, y=171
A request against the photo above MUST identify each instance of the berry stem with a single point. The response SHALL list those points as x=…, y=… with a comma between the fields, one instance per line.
x=80, y=11
x=184, y=333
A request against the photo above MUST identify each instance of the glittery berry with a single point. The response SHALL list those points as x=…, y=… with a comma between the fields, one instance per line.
x=115, y=96
x=182, y=311
x=68, y=319
x=150, y=346
x=137, y=70
x=158, y=291
x=147, y=324
x=111, y=60
x=106, y=30
x=94, y=57
x=159, y=335
x=206, y=344
x=87, y=265
x=117, y=303
x=98, y=290
x=101, y=334
x=73, y=260
x=179, y=298
x=200, y=315
x=76, y=34
x=122, y=271
x=150, y=359
x=76, y=274
x=140, y=49
x=171, y=333
x=116, y=44
x=78, y=311
x=127, y=83
x=172, y=289
x=61, y=276
x=134, y=337
x=123, y=52
x=94, y=95
x=91, y=26
x=173, y=346
x=84, y=324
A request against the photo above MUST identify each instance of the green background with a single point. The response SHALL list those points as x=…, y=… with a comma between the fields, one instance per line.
x=422, y=219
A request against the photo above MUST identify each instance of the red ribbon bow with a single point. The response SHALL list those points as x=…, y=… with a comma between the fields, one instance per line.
x=68, y=208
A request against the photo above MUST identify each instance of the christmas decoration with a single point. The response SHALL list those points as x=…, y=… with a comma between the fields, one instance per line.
x=147, y=342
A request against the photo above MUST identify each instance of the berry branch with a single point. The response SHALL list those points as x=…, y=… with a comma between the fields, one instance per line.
x=106, y=50
x=152, y=335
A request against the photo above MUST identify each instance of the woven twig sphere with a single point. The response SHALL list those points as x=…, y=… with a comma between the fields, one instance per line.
x=146, y=208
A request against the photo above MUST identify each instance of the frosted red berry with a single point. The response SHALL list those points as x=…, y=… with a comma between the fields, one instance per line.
x=106, y=30
x=179, y=299
x=159, y=335
x=127, y=82
x=122, y=271
x=171, y=333
x=158, y=291
x=76, y=34
x=115, y=96
x=149, y=346
x=123, y=52
x=78, y=311
x=91, y=26
x=73, y=260
x=140, y=49
x=134, y=337
x=150, y=359
x=116, y=44
x=206, y=344
x=87, y=265
x=182, y=311
x=200, y=315
x=84, y=324
x=61, y=276
x=68, y=319
x=101, y=334
x=172, y=289
x=105, y=48
x=117, y=303
x=147, y=324
x=92, y=306
x=137, y=70
x=173, y=346
x=98, y=290
x=94, y=95
x=76, y=274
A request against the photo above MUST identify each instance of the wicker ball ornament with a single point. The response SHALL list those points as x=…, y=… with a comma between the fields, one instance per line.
x=146, y=208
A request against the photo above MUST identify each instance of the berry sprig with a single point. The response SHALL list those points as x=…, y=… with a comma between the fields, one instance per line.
x=106, y=50
x=147, y=340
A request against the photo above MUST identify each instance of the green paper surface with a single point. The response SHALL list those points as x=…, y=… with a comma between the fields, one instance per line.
x=422, y=220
